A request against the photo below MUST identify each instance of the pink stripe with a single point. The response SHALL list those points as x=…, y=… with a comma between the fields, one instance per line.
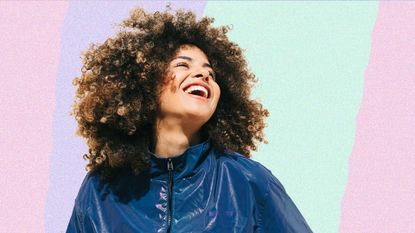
x=29, y=45
x=379, y=195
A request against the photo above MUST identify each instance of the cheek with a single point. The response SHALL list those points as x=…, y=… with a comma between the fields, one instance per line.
x=169, y=86
x=162, y=97
x=173, y=82
x=217, y=91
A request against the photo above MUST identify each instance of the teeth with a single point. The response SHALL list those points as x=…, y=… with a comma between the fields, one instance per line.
x=193, y=88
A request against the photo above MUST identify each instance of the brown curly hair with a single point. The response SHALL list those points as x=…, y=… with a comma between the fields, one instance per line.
x=117, y=92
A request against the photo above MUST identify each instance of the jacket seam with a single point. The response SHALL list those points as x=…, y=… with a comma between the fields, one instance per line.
x=80, y=218
x=262, y=210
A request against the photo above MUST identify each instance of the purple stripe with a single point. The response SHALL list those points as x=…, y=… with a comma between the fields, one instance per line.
x=86, y=22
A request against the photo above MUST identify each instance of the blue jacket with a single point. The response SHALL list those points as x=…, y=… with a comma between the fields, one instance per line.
x=198, y=191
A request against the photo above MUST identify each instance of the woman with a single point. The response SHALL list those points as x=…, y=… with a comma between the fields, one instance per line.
x=165, y=109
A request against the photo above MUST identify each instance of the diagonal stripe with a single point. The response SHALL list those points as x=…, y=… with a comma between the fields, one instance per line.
x=86, y=22
x=380, y=190
x=310, y=59
x=29, y=53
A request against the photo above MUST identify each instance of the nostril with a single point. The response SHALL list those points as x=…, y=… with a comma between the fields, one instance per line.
x=201, y=76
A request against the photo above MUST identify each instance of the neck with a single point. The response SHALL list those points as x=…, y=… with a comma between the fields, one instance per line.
x=172, y=139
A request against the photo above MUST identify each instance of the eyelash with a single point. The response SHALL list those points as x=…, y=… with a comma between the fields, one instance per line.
x=187, y=66
x=182, y=64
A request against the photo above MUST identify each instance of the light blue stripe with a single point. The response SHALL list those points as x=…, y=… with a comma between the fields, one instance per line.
x=309, y=58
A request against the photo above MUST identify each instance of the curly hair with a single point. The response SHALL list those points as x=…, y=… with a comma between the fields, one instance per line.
x=117, y=96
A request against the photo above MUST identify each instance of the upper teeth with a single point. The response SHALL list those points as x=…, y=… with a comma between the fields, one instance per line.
x=197, y=88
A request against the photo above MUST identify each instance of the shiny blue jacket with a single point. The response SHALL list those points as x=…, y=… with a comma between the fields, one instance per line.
x=198, y=191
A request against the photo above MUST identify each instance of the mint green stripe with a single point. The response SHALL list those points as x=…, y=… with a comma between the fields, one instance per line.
x=310, y=58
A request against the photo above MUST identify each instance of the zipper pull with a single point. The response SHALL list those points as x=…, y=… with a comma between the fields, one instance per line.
x=170, y=165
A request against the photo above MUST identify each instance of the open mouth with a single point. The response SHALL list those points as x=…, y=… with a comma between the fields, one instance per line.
x=197, y=90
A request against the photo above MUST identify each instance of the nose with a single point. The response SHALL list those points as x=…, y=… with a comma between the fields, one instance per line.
x=201, y=73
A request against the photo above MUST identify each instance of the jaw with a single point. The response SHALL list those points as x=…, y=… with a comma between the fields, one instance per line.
x=187, y=110
x=196, y=110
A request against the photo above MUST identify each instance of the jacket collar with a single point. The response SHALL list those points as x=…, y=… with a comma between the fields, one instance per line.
x=184, y=165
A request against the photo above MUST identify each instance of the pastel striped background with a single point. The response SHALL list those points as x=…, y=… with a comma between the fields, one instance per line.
x=337, y=77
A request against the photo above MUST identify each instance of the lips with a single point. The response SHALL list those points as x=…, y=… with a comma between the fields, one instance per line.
x=198, y=89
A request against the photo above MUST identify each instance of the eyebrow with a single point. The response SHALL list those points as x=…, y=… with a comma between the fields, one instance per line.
x=190, y=59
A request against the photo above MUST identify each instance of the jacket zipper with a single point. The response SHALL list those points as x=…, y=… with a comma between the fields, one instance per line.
x=170, y=169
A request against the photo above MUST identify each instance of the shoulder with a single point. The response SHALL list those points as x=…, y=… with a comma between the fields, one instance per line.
x=256, y=174
x=248, y=166
x=90, y=189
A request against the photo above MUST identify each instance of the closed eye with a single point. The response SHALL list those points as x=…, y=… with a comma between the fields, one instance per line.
x=184, y=64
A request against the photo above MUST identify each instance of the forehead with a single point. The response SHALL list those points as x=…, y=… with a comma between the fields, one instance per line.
x=192, y=52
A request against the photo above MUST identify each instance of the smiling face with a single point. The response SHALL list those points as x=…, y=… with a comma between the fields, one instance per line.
x=190, y=91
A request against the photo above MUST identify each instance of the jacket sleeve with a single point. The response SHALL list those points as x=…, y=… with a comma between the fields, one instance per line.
x=279, y=213
x=75, y=223
x=79, y=222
